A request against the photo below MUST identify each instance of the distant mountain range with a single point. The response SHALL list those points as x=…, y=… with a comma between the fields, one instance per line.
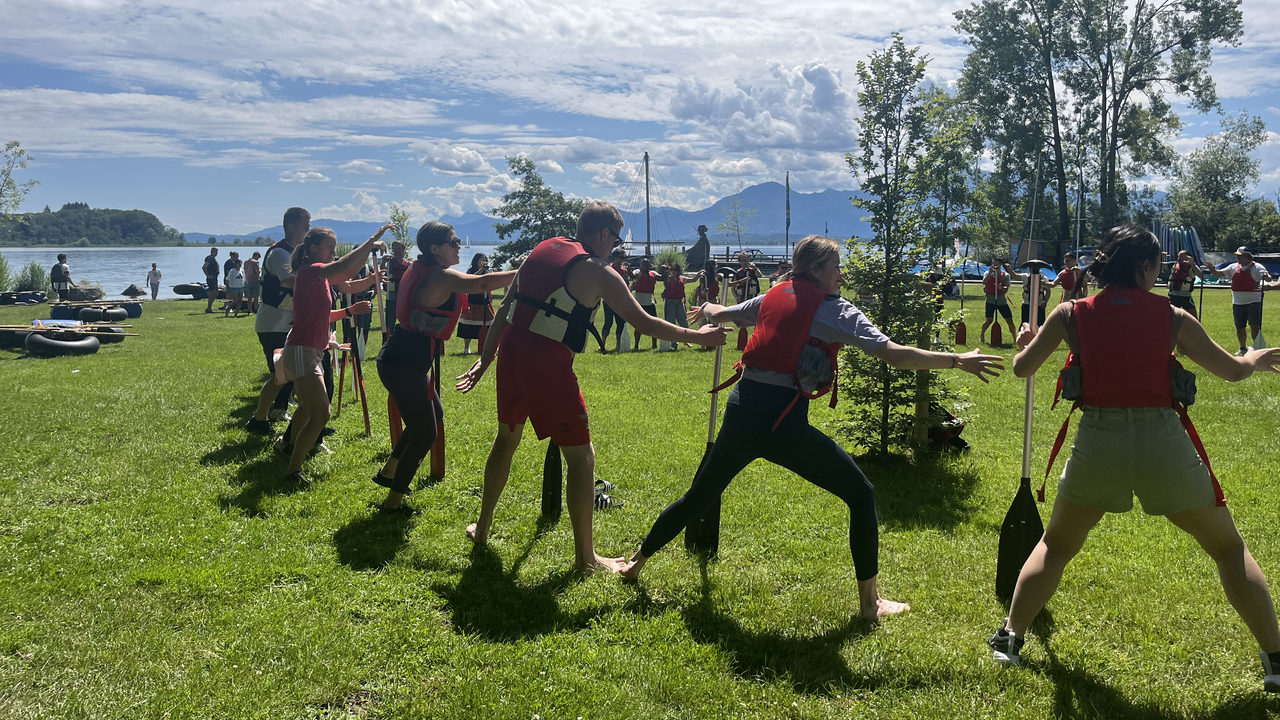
x=829, y=211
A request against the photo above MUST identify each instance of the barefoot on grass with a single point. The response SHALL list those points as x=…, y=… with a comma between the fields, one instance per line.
x=631, y=570
x=473, y=532
x=882, y=608
x=610, y=564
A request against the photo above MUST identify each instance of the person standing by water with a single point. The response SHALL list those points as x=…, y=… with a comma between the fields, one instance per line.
x=476, y=319
x=235, y=288
x=153, y=280
x=801, y=323
x=431, y=307
x=252, y=281
x=211, y=274
x=1135, y=438
x=60, y=277
x=275, y=318
x=1182, y=278
x=303, y=352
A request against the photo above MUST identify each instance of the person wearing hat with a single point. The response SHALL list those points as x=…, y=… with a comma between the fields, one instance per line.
x=1247, y=283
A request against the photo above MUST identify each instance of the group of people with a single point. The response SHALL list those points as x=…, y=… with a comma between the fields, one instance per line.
x=242, y=279
x=1121, y=338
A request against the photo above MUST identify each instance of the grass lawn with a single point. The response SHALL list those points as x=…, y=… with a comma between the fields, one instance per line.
x=152, y=564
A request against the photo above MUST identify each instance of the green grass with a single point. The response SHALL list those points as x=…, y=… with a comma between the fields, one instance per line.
x=152, y=564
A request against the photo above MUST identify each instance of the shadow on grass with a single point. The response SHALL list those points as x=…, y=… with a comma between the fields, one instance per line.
x=258, y=478
x=932, y=490
x=372, y=542
x=496, y=606
x=1078, y=694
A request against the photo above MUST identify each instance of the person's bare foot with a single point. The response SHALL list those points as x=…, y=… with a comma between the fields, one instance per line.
x=631, y=570
x=477, y=537
x=882, y=608
x=600, y=562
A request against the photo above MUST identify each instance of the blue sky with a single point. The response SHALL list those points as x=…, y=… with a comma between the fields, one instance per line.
x=217, y=116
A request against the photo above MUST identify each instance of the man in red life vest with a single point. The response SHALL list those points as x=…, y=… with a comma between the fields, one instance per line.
x=542, y=323
x=995, y=284
x=646, y=281
x=1247, y=283
x=1072, y=280
x=1181, y=279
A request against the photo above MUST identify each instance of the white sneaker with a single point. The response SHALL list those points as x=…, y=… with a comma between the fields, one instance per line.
x=278, y=414
x=321, y=449
x=1270, y=683
x=1006, y=648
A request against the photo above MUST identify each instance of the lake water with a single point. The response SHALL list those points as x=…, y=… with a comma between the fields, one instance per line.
x=116, y=268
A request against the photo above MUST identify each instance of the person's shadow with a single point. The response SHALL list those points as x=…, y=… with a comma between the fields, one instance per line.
x=931, y=490
x=372, y=541
x=495, y=605
x=259, y=478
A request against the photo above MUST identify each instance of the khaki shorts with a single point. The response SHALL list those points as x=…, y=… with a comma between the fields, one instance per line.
x=1122, y=452
x=298, y=361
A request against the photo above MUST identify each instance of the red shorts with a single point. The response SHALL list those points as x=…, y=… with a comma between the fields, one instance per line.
x=536, y=382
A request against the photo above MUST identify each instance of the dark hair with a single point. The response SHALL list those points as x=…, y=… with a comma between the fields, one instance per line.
x=430, y=234
x=1122, y=253
x=295, y=215
x=301, y=256
x=596, y=216
x=1069, y=255
x=645, y=263
x=710, y=266
x=62, y=256
x=475, y=262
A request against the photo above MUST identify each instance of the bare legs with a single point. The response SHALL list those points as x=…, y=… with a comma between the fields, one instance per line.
x=267, y=397
x=309, y=418
x=1212, y=527
x=579, y=491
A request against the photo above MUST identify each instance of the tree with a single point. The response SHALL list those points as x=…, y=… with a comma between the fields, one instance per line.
x=534, y=212
x=400, y=225
x=737, y=217
x=950, y=174
x=890, y=166
x=1214, y=181
x=11, y=193
x=212, y=240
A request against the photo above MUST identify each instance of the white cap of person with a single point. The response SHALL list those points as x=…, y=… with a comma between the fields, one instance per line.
x=1244, y=251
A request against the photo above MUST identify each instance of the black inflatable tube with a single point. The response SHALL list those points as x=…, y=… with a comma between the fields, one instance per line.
x=115, y=314
x=89, y=314
x=117, y=333
x=15, y=338
x=41, y=346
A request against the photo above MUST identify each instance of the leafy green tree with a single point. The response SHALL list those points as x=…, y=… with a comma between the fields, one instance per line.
x=400, y=225
x=533, y=213
x=12, y=158
x=6, y=274
x=737, y=218
x=32, y=277
x=885, y=402
x=1214, y=181
x=950, y=175
x=212, y=240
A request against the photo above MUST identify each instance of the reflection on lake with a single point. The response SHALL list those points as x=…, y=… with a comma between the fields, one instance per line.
x=116, y=268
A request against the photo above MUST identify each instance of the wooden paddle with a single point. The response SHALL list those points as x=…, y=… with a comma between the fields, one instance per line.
x=702, y=535
x=1022, y=527
x=962, y=330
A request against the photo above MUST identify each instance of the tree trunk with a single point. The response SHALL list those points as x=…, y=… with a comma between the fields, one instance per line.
x=920, y=431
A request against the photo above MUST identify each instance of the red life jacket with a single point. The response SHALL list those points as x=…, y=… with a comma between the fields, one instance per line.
x=750, y=288
x=989, y=282
x=1126, y=361
x=1179, y=276
x=781, y=342
x=543, y=305
x=434, y=322
x=674, y=289
x=1242, y=279
x=708, y=288
x=1069, y=279
x=645, y=282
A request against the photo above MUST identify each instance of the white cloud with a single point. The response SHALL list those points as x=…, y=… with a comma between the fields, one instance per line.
x=550, y=166
x=362, y=167
x=617, y=174
x=302, y=176
x=446, y=159
x=744, y=166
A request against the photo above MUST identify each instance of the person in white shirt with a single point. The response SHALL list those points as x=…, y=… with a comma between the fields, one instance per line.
x=235, y=289
x=1248, y=280
x=153, y=280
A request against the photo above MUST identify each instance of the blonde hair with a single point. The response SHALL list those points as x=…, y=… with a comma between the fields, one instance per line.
x=810, y=255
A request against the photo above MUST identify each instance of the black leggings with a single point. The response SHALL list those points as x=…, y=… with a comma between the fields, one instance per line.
x=409, y=383
x=797, y=446
x=652, y=310
x=609, y=317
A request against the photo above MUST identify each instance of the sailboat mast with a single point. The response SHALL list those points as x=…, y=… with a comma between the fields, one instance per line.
x=648, y=248
x=786, y=247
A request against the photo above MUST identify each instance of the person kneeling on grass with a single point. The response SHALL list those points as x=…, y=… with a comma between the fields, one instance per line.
x=800, y=325
x=1131, y=439
x=429, y=310
x=308, y=339
x=545, y=319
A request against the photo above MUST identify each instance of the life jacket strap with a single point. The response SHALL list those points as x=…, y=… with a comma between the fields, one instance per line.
x=1219, y=499
x=1057, y=447
x=737, y=375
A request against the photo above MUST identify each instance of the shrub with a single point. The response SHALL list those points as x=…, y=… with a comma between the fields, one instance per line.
x=32, y=277
x=6, y=278
x=670, y=254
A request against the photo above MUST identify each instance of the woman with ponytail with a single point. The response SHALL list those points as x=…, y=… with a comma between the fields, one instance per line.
x=428, y=310
x=1135, y=437
x=800, y=324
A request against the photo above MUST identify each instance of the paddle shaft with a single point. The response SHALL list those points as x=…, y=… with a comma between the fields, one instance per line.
x=1031, y=380
x=703, y=534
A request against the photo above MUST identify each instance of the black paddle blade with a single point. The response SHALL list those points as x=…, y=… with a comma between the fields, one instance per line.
x=702, y=534
x=552, y=480
x=1019, y=535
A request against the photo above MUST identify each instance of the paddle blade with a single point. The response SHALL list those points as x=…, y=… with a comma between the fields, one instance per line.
x=1259, y=343
x=1019, y=534
x=552, y=480
x=702, y=534
x=997, y=335
x=962, y=334
x=437, y=452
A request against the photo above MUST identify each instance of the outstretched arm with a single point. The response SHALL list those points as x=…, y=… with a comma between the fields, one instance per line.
x=463, y=283
x=471, y=378
x=614, y=292
x=910, y=358
x=1196, y=344
x=350, y=264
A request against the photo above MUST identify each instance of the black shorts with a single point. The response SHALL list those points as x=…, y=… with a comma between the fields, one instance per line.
x=271, y=341
x=1183, y=301
x=1004, y=310
x=1026, y=312
x=1250, y=314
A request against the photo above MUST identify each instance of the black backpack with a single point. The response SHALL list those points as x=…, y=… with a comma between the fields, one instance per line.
x=210, y=266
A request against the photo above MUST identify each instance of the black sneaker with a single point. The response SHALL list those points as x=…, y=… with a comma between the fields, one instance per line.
x=258, y=427
x=293, y=478
x=326, y=432
x=1006, y=647
x=1271, y=683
